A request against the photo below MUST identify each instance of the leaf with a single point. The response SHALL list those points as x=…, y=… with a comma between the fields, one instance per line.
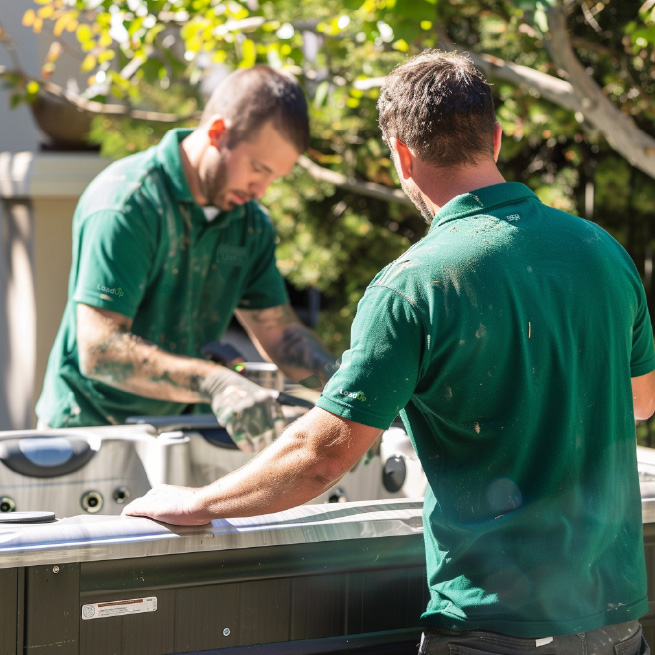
x=47, y=70
x=150, y=69
x=60, y=25
x=54, y=51
x=29, y=17
x=32, y=88
x=15, y=100
x=248, y=53
x=414, y=10
x=105, y=40
x=321, y=93
x=540, y=19
x=105, y=56
x=642, y=38
x=84, y=33
x=89, y=63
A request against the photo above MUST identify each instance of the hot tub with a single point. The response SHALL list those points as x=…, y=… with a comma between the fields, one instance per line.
x=317, y=579
x=96, y=470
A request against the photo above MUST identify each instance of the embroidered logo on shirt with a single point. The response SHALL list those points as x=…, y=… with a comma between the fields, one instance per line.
x=359, y=395
x=228, y=254
x=116, y=291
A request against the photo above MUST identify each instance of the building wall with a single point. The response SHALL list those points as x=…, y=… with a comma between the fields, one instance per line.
x=51, y=265
x=38, y=194
x=39, y=188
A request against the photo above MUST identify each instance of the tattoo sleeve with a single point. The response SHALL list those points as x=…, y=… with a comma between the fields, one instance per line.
x=291, y=345
x=299, y=348
x=132, y=364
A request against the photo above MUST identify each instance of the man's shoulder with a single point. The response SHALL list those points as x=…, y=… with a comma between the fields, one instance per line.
x=585, y=230
x=123, y=182
x=258, y=213
x=405, y=276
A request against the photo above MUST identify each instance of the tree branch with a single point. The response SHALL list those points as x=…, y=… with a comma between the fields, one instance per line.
x=319, y=173
x=370, y=189
x=92, y=106
x=551, y=88
x=620, y=130
x=581, y=94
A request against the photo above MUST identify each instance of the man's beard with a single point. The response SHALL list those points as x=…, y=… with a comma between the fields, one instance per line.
x=215, y=186
x=418, y=201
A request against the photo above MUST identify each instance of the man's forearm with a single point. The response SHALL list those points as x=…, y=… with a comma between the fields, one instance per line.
x=303, y=358
x=125, y=361
x=285, y=475
x=309, y=457
x=280, y=477
x=297, y=351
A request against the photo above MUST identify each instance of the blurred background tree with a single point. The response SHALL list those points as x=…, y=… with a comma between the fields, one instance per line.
x=573, y=82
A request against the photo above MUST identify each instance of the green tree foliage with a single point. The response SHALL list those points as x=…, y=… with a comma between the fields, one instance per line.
x=157, y=54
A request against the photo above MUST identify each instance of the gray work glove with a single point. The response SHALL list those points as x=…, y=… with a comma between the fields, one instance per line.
x=247, y=411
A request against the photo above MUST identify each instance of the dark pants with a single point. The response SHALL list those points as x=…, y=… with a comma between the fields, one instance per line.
x=619, y=639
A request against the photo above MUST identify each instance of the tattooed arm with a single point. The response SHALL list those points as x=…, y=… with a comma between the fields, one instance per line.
x=109, y=352
x=279, y=335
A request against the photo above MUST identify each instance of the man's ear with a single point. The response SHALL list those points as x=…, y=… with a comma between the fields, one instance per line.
x=217, y=129
x=498, y=137
x=404, y=157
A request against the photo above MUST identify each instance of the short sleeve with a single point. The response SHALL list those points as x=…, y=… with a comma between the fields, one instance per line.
x=265, y=286
x=642, y=359
x=114, y=256
x=380, y=371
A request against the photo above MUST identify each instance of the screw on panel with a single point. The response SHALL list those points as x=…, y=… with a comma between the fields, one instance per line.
x=121, y=495
x=7, y=504
x=55, y=569
x=92, y=502
x=226, y=632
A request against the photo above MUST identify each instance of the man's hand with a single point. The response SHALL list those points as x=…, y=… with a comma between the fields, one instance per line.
x=247, y=411
x=169, y=504
x=312, y=454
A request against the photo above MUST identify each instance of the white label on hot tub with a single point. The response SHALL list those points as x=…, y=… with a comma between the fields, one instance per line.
x=119, y=608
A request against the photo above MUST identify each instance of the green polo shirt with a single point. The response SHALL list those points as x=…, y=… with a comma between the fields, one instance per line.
x=143, y=248
x=508, y=337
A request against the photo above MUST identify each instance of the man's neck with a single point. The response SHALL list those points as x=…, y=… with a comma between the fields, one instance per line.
x=440, y=185
x=190, y=151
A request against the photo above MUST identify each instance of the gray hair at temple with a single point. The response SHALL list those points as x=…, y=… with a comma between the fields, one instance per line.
x=250, y=97
x=440, y=106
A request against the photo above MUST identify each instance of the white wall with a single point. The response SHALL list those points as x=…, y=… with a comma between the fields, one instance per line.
x=38, y=194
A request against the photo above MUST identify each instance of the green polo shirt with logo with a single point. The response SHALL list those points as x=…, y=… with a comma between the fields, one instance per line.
x=508, y=337
x=143, y=248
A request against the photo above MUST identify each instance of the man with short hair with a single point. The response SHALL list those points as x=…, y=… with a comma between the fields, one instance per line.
x=515, y=339
x=168, y=245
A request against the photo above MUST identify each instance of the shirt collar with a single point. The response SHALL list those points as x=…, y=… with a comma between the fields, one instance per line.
x=482, y=200
x=168, y=153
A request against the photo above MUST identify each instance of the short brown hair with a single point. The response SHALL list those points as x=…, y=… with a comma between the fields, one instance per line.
x=250, y=97
x=440, y=106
